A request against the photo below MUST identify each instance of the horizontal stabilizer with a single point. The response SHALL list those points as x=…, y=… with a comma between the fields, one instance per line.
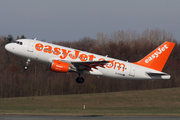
x=159, y=75
x=156, y=74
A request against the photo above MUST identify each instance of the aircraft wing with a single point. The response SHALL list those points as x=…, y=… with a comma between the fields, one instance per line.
x=90, y=64
x=84, y=65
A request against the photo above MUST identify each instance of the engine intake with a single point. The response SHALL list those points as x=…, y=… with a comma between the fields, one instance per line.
x=59, y=66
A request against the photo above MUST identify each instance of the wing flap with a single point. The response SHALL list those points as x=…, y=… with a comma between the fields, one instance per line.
x=90, y=64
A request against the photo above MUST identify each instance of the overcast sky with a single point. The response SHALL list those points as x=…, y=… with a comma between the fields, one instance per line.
x=69, y=20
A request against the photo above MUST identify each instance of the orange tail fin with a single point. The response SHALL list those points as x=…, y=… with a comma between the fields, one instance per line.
x=157, y=58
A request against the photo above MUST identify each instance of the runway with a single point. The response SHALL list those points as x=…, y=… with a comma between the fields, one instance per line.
x=19, y=117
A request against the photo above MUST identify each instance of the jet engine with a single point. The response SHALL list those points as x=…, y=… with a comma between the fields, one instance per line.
x=59, y=66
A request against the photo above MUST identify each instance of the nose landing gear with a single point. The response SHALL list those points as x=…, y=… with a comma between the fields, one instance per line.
x=27, y=63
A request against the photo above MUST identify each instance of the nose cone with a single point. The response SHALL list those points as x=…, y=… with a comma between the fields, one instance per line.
x=7, y=47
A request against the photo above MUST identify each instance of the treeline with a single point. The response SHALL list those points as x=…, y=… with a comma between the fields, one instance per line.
x=125, y=45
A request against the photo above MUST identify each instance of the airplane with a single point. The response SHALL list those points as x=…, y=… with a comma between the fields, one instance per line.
x=63, y=59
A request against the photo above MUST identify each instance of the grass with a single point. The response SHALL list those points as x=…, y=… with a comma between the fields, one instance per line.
x=160, y=102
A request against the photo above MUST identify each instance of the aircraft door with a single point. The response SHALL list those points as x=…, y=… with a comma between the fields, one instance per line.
x=132, y=71
x=31, y=46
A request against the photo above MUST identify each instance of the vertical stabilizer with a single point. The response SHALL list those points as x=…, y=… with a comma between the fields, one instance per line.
x=157, y=58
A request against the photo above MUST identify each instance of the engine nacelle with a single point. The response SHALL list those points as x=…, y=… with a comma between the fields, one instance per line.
x=59, y=66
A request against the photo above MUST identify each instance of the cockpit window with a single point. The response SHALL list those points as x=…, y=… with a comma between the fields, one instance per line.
x=18, y=42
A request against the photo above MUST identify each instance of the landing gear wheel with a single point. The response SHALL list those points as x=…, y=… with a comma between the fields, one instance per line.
x=25, y=67
x=80, y=80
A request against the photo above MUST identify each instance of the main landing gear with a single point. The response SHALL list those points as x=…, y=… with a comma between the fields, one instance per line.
x=27, y=63
x=80, y=79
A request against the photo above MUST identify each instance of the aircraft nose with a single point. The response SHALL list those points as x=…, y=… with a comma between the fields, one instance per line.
x=8, y=47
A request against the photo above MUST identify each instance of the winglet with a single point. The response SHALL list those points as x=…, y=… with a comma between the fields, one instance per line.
x=157, y=58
